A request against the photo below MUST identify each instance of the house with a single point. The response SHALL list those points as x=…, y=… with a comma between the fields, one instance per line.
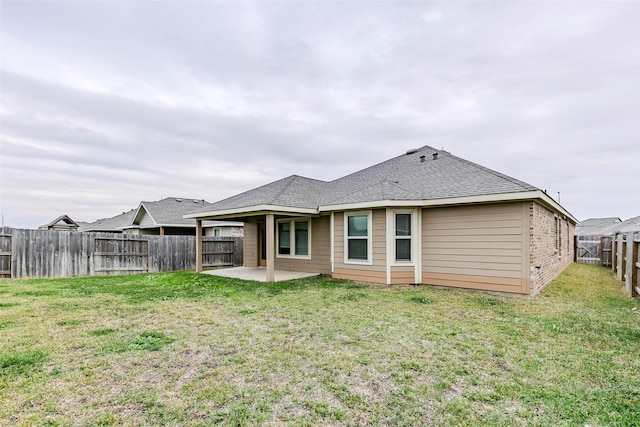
x=165, y=217
x=63, y=223
x=596, y=226
x=592, y=246
x=110, y=225
x=424, y=217
x=632, y=225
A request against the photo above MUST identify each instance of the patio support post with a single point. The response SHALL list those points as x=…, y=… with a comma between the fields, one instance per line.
x=198, y=246
x=271, y=248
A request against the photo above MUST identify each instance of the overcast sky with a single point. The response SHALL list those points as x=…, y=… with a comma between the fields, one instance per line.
x=107, y=103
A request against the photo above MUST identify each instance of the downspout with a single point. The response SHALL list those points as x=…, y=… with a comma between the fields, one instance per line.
x=332, y=240
x=198, y=246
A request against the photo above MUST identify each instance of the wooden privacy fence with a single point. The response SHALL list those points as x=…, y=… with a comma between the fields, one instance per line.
x=626, y=261
x=51, y=253
x=594, y=250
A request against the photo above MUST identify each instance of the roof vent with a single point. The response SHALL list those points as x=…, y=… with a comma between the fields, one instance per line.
x=196, y=201
x=178, y=200
x=422, y=158
x=435, y=156
x=411, y=151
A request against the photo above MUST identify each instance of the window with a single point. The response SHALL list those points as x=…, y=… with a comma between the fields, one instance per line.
x=301, y=238
x=216, y=232
x=284, y=238
x=556, y=233
x=358, y=237
x=403, y=237
x=294, y=244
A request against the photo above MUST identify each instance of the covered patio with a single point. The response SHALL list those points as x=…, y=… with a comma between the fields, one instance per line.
x=278, y=220
x=258, y=274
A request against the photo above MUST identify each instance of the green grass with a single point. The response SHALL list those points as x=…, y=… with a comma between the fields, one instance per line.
x=196, y=350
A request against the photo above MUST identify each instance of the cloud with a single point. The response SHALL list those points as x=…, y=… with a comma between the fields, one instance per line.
x=105, y=104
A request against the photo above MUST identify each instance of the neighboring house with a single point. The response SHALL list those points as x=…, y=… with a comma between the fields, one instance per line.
x=110, y=225
x=166, y=217
x=632, y=225
x=63, y=222
x=592, y=246
x=423, y=217
x=596, y=226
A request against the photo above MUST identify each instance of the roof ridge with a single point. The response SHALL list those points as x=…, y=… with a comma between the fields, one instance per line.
x=423, y=148
x=306, y=177
x=293, y=178
x=290, y=179
x=491, y=171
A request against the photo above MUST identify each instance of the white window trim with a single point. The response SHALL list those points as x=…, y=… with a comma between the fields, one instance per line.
x=369, y=260
x=292, y=237
x=391, y=237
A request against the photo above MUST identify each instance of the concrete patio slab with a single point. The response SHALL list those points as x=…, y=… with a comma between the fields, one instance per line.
x=258, y=274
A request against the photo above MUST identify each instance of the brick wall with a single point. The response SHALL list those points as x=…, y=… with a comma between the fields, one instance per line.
x=551, y=240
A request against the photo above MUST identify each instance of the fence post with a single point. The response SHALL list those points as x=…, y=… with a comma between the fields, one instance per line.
x=620, y=255
x=631, y=277
x=630, y=267
x=198, y=246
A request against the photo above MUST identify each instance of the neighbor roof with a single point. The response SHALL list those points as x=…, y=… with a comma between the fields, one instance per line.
x=168, y=212
x=419, y=175
x=631, y=225
x=110, y=224
x=62, y=220
x=596, y=226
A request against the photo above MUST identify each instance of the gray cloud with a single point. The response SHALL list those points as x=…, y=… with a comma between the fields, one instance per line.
x=105, y=104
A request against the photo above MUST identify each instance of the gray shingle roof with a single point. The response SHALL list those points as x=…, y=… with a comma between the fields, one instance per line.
x=596, y=226
x=632, y=225
x=293, y=191
x=406, y=177
x=63, y=220
x=110, y=224
x=170, y=211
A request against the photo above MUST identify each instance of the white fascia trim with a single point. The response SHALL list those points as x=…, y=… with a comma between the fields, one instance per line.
x=555, y=205
x=128, y=227
x=250, y=210
x=135, y=216
x=487, y=198
x=146, y=227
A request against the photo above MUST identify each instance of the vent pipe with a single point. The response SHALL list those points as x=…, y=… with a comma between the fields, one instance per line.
x=422, y=159
x=435, y=156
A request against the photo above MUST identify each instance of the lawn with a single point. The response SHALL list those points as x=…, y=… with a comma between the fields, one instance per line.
x=187, y=349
